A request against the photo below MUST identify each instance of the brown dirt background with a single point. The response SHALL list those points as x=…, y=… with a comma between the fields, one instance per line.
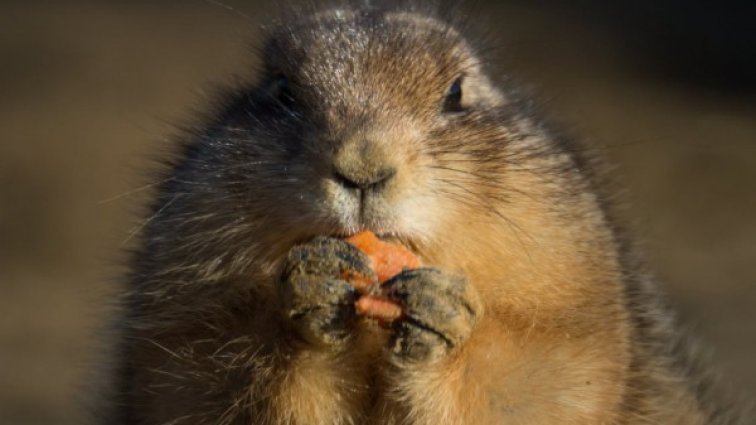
x=89, y=91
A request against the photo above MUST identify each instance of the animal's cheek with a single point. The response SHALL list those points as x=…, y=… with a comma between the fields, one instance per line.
x=298, y=195
x=419, y=208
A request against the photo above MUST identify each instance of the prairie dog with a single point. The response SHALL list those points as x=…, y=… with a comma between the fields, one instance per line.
x=530, y=309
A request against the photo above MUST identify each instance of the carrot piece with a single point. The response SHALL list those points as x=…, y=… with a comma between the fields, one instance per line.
x=387, y=259
x=366, y=241
x=379, y=308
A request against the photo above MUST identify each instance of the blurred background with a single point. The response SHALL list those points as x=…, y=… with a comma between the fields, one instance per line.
x=91, y=91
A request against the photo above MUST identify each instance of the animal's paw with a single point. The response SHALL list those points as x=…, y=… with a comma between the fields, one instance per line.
x=439, y=313
x=315, y=295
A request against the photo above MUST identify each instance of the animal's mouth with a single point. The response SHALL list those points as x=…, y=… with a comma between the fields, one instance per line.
x=395, y=239
x=385, y=235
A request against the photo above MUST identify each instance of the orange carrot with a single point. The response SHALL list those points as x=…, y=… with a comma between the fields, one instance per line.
x=378, y=308
x=387, y=259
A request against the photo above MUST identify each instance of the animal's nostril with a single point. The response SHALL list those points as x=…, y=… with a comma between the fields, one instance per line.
x=364, y=179
x=345, y=181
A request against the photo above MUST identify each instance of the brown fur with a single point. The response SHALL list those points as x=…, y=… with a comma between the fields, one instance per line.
x=570, y=330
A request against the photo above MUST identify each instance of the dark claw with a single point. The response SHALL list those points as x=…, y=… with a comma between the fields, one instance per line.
x=315, y=298
x=440, y=310
x=325, y=256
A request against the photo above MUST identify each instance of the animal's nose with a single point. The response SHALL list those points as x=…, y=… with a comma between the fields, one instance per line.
x=363, y=179
x=362, y=163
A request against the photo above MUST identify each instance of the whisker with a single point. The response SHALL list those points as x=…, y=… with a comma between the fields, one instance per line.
x=230, y=8
x=484, y=203
x=133, y=191
x=150, y=219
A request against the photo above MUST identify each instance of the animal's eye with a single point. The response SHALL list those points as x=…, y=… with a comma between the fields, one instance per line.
x=281, y=90
x=453, y=100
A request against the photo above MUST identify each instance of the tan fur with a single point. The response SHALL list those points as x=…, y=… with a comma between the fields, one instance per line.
x=564, y=334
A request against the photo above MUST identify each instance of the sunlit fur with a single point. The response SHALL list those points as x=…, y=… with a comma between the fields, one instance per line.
x=572, y=331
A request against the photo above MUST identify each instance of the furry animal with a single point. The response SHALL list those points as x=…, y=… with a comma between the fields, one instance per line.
x=532, y=308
